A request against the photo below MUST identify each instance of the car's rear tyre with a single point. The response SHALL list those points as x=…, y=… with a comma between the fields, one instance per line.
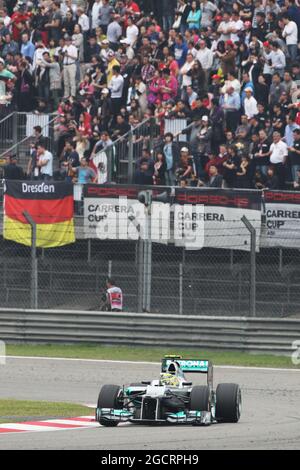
x=109, y=398
x=199, y=398
x=228, y=403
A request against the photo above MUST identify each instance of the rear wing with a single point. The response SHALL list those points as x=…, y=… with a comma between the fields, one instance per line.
x=202, y=366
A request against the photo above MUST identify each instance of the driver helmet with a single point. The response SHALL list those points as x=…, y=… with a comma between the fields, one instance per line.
x=169, y=379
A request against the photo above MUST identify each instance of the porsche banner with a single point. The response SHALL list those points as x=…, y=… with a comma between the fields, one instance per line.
x=113, y=212
x=281, y=222
x=197, y=217
x=212, y=218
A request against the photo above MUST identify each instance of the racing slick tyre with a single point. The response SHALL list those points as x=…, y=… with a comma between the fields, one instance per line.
x=228, y=403
x=108, y=398
x=199, y=398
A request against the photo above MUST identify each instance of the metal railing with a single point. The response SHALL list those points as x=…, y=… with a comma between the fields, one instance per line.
x=261, y=335
x=127, y=149
x=16, y=134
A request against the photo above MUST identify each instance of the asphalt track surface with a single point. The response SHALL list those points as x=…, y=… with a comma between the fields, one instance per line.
x=270, y=415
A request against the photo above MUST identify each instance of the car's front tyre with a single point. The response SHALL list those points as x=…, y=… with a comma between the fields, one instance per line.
x=109, y=397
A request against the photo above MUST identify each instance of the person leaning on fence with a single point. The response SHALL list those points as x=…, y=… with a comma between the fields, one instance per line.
x=112, y=298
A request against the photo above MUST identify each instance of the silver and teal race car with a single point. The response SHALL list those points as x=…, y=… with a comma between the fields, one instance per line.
x=171, y=398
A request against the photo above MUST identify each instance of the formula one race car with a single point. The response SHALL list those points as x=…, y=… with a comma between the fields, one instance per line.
x=171, y=398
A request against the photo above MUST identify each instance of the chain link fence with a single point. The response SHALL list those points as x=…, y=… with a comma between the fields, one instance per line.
x=203, y=282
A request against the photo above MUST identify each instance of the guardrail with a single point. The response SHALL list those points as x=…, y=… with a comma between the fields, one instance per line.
x=260, y=335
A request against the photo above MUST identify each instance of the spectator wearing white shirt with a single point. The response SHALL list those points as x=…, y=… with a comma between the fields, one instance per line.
x=38, y=55
x=250, y=104
x=83, y=20
x=129, y=51
x=95, y=13
x=185, y=69
x=205, y=57
x=278, y=156
x=116, y=86
x=224, y=27
x=236, y=26
x=44, y=162
x=233, y=82
x=132, y=31
x=290, y=34
x=208, y=10
x=277, y=57
x=70, y=53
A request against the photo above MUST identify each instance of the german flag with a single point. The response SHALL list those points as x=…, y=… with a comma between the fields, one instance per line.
x=49, y=204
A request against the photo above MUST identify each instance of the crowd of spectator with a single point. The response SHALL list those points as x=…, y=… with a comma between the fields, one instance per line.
x=230, y=68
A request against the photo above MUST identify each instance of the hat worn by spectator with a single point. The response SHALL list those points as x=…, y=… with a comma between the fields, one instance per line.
x=204, y=118
x=125, y=41
x=184, y=149
x=229, y=43
x=216, y=77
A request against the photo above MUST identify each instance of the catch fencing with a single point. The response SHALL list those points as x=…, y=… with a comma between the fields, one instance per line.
x=204, y=282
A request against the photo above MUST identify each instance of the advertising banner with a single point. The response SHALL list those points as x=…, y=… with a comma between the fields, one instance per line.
x=193, y=217
x=281, y=221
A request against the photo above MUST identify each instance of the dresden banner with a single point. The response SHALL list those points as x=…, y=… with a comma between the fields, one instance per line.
x=50, y=205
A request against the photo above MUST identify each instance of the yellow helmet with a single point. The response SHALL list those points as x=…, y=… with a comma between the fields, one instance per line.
x=169, y=379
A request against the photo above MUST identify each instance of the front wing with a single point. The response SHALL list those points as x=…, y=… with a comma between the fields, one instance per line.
x=200, y=418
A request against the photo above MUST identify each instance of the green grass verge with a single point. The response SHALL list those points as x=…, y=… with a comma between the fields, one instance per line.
x=22, y=410
x=85, y=351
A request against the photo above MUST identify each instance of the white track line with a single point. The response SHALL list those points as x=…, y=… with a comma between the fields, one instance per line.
x=277, y=369
x=84, y=424
x=28, y=427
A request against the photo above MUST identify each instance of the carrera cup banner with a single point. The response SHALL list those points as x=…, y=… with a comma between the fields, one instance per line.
x=281, y=227
x=113, y=212
x=212, y=218
x=198, y=217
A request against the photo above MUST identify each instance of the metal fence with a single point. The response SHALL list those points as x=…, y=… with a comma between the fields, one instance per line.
x=16, y=134
x=127, y=149
x=204, y=282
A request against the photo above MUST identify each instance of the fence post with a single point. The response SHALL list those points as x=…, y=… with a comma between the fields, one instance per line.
x=130, y=158
x=252, y=231
x=180, y=288
x=15, y=130
x=89, y=250
x=34, y=268
x=140, y=258
x=147, y=261
x=109, y=268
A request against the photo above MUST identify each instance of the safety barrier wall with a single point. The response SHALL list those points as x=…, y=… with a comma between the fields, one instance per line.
x=259, y=335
